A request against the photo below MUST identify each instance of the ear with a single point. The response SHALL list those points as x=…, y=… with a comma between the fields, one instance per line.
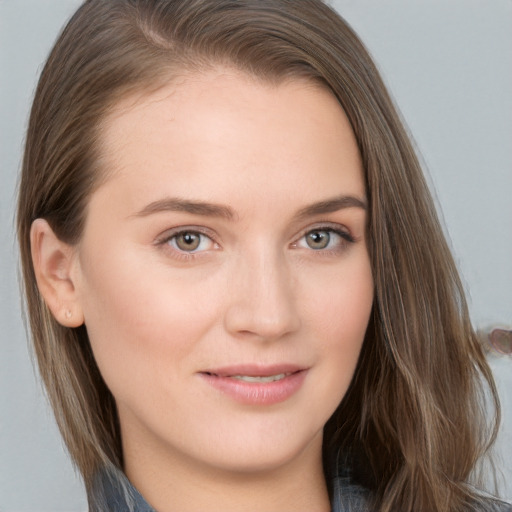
x=55, y=265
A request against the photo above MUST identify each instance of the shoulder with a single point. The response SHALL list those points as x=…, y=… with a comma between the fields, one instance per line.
x=351, y=488
x=348, y=496
x=351, y=497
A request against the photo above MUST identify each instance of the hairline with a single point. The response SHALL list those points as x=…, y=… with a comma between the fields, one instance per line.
x=135, y=94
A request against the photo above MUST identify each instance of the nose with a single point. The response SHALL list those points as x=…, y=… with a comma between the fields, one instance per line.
x=262, y=303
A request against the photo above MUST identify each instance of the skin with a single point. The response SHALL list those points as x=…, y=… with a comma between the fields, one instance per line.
x=260, y=288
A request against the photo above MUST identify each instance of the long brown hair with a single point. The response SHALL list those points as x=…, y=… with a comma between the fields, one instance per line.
x=414, y=411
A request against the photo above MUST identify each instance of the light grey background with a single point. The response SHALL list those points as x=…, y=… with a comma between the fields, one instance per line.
x=448, y=64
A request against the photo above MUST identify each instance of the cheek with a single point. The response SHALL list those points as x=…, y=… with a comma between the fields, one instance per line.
x=340, y=317
x=340, y=303
x=141, y=322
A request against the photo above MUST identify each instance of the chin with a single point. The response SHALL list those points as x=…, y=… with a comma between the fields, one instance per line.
x=265, y=455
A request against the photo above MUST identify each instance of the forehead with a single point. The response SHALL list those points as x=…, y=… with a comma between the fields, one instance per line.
x=224, y=131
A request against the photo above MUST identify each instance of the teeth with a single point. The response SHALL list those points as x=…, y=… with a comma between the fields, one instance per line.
x=269, y=378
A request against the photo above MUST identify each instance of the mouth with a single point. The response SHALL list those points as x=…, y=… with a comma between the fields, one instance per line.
x=256, y=385
x=255, y=378
x=256, y=372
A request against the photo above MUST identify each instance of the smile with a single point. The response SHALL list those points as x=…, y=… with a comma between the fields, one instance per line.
x=258, y=386
x=270, y=378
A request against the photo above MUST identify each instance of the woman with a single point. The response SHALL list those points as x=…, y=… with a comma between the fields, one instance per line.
x=238, y=289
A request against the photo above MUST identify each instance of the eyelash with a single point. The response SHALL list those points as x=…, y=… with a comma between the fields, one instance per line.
x=169, y=236
x=345, y=239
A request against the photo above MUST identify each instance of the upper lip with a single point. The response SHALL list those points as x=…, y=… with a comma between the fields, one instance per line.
x=254, y=370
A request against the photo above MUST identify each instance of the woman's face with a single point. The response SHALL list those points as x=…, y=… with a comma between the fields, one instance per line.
x=223, y=273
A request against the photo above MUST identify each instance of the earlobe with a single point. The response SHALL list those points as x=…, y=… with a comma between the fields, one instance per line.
x=55, y=269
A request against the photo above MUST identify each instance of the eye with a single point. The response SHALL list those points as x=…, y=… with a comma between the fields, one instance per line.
x=190, y=241
x=318, y=239
x=324, y=239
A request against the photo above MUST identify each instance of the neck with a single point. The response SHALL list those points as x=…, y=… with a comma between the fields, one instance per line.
x=170, y=485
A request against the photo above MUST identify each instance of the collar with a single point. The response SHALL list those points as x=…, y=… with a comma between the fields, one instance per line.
x=112, y=491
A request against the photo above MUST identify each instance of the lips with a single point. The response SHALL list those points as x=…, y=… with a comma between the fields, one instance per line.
x=252, y=370
x=251, y=378
x=255, y=384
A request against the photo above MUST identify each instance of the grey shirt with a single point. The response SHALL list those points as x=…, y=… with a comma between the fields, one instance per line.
x=113, y=492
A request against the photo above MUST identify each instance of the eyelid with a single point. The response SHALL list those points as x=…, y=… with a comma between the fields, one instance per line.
x=163, y=242
x=340, y=229
x=345, y=239
x=163, y=239
x=166, y=235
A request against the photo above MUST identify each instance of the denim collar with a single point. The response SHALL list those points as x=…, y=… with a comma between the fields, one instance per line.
x=112, y=492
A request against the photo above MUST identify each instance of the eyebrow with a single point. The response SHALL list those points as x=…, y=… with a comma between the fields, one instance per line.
x=331, y=205
x=206, y=209
x=175, y=204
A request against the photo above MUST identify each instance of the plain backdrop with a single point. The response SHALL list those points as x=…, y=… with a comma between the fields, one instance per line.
x=449, y=67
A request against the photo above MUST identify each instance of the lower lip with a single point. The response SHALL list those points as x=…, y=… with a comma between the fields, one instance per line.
x=257, y=393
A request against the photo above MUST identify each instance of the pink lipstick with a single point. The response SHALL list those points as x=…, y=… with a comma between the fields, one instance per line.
x=257, y=385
